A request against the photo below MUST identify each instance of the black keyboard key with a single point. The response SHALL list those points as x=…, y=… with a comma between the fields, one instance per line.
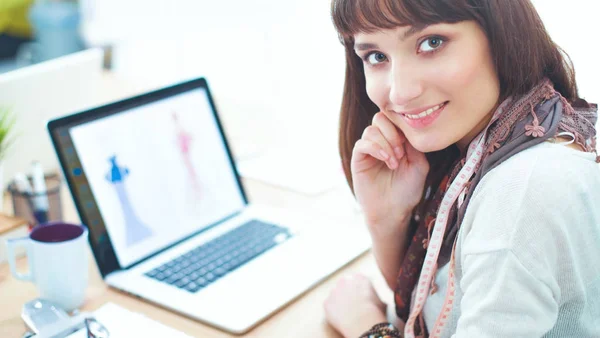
x=220, y=272
x=188, y=271
x=192, y=287
x=152, y=273
x=172, y=279
x=233, y=264
x=198, y=257
x=245, y=258
x=201, y=281
x=210, y=277
x=176, y=268
x=227, y=266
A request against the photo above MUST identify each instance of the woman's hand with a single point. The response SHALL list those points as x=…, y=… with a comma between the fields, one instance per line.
x=353, y=306
x=388, y=174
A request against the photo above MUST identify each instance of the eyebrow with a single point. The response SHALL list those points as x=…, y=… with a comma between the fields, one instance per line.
x=365, y=46
x=410, y=32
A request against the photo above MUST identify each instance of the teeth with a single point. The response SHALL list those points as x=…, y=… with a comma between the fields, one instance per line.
x=425, y=113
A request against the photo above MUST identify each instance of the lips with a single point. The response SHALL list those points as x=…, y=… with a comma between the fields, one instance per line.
x=423, y=113
x=423, y=117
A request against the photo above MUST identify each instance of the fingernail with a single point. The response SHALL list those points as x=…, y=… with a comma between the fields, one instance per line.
x=393, y=163
x=384, y=154
x=398, y=152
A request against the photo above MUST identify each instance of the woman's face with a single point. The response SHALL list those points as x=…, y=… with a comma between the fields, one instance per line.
x=436, y=83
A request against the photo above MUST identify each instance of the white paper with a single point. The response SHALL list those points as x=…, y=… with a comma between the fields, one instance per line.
x=122, y=323
x=307, y=173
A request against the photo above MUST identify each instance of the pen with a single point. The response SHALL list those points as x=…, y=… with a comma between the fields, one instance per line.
x=40, y=200
x=24, y=188
x=22, y=184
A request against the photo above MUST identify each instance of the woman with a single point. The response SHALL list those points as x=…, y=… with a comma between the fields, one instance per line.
x=473, y=158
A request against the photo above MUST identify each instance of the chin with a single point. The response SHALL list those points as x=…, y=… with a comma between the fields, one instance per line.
x=428, y=144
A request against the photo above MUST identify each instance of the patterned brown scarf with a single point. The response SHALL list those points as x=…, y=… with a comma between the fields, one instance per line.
x=535, y=117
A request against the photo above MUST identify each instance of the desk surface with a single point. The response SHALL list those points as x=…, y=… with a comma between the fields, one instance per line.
x=302, y=318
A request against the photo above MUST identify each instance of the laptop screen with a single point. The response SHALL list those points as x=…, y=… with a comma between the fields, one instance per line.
x=154, y=173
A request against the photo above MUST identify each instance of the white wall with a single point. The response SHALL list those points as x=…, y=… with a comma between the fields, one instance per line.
x=280, y=57
x=42, y=92
x=574, y=26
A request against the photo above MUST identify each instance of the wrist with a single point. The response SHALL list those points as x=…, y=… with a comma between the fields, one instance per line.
x=391, y=227
x=386, y=330
x=370, y=316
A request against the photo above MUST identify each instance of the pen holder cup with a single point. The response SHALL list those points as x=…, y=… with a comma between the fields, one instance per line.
x=26, y=205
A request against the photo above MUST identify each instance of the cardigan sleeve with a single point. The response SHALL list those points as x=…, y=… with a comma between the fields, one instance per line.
x=502, y=298
x=519, y=240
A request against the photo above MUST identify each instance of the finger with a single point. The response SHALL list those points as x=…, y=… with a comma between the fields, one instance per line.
x=392, y=134
x=373, y=134
x=364, y=148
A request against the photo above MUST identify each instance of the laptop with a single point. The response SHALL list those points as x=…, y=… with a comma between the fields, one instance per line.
x=154, y=179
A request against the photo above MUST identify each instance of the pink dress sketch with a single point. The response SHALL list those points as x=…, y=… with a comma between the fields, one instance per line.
x=184, y=143
x=135, y=229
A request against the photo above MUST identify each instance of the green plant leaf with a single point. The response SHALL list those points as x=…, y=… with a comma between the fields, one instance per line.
x=7, y=123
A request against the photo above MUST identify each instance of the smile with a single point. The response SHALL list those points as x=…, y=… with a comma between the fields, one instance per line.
x=425, y=118
x=425, y=113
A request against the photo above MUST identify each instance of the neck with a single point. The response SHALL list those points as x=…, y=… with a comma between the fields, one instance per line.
x=464, y=143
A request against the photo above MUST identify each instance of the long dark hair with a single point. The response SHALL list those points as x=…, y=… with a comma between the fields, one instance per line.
x=523, y=54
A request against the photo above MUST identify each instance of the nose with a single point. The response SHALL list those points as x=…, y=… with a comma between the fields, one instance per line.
x=405, y=85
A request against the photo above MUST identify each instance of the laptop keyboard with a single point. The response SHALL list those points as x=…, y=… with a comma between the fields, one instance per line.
x=205, y=264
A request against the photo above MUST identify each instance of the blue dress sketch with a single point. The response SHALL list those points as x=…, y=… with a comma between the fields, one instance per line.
x=135, y=230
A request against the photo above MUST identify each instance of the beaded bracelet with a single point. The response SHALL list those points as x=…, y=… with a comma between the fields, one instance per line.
x=383, y=330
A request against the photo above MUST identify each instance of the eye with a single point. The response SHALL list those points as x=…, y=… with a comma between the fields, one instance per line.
x=375, y=58
x=430, y=44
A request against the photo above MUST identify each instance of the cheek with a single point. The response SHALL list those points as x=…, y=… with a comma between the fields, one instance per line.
x=469, y=75
x=377, y=89
x=460, y=71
